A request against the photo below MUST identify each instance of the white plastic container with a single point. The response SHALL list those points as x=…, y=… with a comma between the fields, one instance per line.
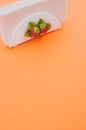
x=14, y=18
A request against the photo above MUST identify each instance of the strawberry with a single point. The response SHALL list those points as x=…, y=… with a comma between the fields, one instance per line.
x=34, y=32
x=44, y=27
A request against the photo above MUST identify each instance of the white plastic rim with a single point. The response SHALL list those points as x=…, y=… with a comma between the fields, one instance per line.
x=18, y=34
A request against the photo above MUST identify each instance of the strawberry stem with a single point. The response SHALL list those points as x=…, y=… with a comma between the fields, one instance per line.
x=42, y=25
x=37, y=30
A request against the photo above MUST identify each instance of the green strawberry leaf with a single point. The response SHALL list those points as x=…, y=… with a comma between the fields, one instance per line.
x=49, y=25
x=31, y=24
x=27, y=33
x=40, y=21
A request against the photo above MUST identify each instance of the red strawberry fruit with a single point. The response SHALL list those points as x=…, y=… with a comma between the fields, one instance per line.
x=44, y=27
x=44, y=30
x=34, y=32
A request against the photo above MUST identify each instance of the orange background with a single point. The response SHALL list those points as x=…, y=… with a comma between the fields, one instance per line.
x=43, y=82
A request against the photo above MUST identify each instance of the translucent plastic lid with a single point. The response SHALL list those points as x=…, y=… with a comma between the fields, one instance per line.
x=4, y=10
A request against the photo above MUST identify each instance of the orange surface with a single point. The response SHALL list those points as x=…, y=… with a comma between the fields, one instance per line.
x=43, y=82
